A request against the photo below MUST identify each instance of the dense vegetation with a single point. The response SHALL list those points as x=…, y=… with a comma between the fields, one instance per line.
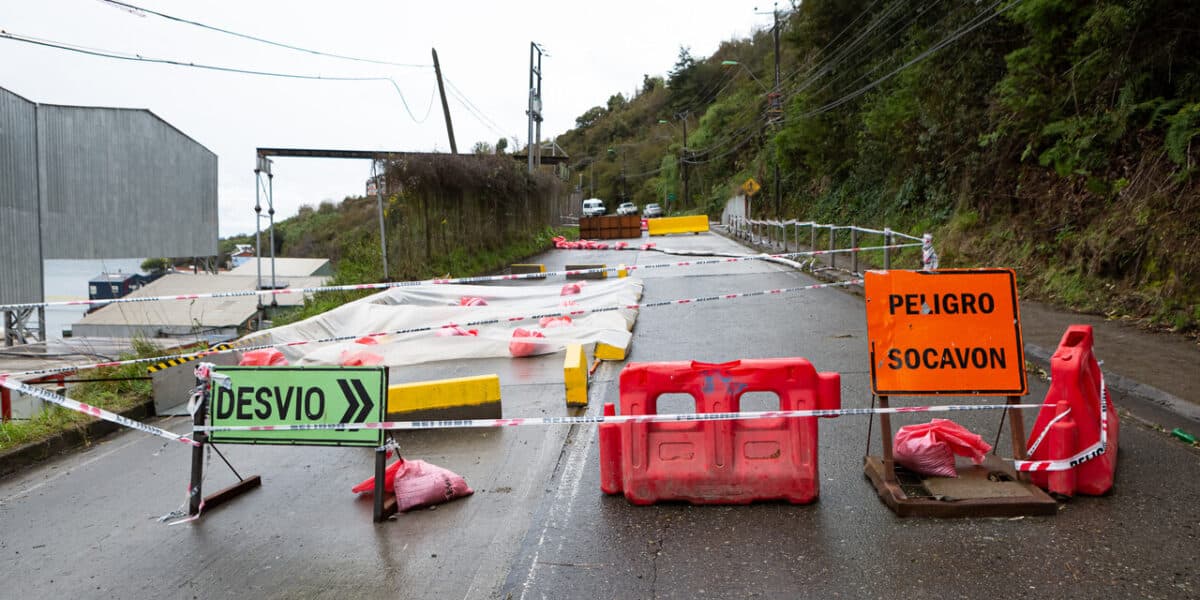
x=1052, y=136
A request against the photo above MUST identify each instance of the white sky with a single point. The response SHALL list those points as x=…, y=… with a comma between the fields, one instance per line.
x=595, y=49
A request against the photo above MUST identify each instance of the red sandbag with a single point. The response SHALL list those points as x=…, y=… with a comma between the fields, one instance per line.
x=366, y=340
x=389, y=480
x=418, y=483
x=471, y=301
x=266, y=357
x=569, y=289
x=929, y=449
x=548, y=322
x=360, y=358
x=455, y=330
x=521, y=348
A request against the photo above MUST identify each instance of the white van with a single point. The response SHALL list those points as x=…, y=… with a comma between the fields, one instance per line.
x=593, y=207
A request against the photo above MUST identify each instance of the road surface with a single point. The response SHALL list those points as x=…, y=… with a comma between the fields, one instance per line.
x=87, y=525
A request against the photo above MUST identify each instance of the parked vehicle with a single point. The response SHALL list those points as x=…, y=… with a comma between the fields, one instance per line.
x=653, y=210
x=627, y=208
x=593, y=207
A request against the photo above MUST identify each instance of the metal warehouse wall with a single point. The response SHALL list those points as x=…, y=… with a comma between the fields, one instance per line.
x=20, y=248
x=122, y=183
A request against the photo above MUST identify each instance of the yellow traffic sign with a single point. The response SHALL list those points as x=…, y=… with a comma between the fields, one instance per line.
x=751, y=187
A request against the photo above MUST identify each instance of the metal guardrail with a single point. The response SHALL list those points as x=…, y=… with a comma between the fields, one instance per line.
x=786, y=235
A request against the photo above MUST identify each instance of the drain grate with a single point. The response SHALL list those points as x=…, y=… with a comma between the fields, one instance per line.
x=911, y=484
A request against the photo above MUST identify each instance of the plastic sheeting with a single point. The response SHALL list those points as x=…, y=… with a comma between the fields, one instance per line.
x=435, y=305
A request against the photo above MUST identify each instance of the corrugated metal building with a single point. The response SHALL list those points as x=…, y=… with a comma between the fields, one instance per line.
x=94, y=182
x=20, y=240
x=122, y=183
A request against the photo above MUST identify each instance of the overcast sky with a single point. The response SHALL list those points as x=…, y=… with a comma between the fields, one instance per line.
x=595, y=49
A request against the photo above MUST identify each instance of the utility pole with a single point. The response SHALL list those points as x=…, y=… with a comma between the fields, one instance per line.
x=775, y=99
x=535, y=104
x=683, y=158
x=624, y=182
x=437, y=69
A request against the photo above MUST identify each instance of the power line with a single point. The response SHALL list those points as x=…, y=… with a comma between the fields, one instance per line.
x=471, y=106
x=165, y=61
x=953, y=37
x=245, y=36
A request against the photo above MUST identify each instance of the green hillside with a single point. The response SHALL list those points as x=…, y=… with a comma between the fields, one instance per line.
x=1052, y=136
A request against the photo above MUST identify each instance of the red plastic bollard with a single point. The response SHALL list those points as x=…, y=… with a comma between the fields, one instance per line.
x=1063, y=439
x=1075, y=381
x=718, y=462
x=610, y=453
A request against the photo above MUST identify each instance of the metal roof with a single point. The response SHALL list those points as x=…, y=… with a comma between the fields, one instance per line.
x=285, y=267
x=179, y=316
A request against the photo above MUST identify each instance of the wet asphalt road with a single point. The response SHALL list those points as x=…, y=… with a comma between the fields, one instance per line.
x=538, y=526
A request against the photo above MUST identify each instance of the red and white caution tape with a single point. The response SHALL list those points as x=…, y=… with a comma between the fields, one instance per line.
x=571, y=312
x=457, y=280
x=597, y=419
x=94, y=411
x=1093, y=451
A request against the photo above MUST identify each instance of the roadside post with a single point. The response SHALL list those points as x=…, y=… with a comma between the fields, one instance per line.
x=952, y=332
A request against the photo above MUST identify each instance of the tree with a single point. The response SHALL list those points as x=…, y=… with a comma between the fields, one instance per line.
x=617, y=102
x=481, y=148
x=501, y=146
x=590, y=117
x=649, y=84
x=682, y=69
x=154, y=265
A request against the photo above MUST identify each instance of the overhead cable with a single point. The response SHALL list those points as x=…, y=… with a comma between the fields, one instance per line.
x=165, y=61
x=245, y=36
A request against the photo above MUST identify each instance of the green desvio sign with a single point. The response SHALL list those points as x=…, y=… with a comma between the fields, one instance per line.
x=299, y=396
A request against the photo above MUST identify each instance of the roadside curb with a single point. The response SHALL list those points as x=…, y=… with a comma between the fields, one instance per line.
x=1126, y=386
x=80, y=437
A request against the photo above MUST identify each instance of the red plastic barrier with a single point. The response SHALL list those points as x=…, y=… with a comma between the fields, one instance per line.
x=717, y=462
x=1074, y=387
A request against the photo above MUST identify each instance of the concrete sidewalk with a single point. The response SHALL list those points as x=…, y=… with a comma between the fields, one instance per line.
x=1160, y=368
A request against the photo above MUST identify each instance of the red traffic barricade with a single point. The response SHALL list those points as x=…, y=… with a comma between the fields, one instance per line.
x=717, y=462
x=1073, y=448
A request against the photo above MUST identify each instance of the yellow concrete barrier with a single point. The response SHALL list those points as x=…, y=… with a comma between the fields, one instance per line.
x=596, y=275
x=668, y=225
x=607, y=352
x=461, y=398
x=575, y=374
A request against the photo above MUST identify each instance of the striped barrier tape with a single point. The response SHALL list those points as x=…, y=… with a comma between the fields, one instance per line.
x=597, y=419
x=451, y=281
x=573, y=311
x=94, y=411
x=480, y=423
x=1064, y=464
x=174, y=362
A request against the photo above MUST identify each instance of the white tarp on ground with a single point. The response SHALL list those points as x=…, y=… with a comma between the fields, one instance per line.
x=433, y=305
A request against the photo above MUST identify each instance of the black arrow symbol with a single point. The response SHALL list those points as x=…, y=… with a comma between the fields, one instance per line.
x=351, y=398
x=366, y=400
